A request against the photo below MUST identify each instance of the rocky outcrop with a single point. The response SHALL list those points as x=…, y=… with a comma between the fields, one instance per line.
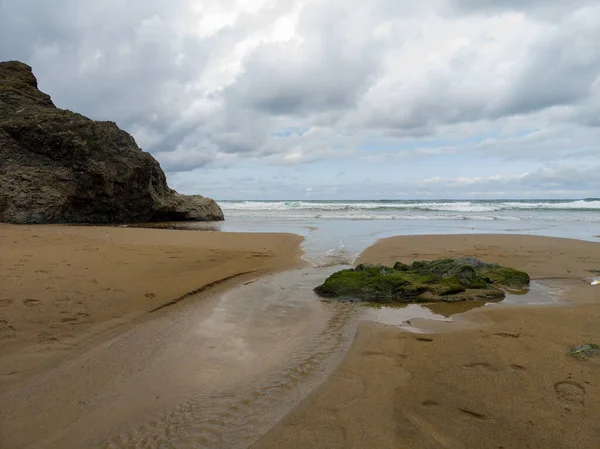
x=449, y=280
x=57, y=166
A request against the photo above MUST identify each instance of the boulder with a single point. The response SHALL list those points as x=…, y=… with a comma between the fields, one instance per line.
x=57, y=166
x=459, y=279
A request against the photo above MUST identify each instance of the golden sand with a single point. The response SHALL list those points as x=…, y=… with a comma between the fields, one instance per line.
x=63, y=285
x=506, y=383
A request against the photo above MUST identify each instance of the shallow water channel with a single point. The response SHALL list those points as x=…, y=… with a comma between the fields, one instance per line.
x=252, y=355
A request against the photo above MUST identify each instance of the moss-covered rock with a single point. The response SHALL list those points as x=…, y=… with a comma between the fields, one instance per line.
x=460, y=279
x=587, y=350
x=508, y=277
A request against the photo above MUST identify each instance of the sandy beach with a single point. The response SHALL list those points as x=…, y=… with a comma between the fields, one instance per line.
x=499, y=376
x=506, y=383
x=62, y=287
x=188, y=188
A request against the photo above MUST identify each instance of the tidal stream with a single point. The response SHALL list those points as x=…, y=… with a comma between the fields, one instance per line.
x=258, y=352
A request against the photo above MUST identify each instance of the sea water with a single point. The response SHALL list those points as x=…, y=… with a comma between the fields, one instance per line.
x=477, y=210
x=337, y=231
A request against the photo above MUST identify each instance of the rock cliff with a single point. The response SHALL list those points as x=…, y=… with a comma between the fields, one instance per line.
x=57, y=166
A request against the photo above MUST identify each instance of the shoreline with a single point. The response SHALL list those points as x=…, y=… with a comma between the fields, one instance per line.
x=506, y=381
x=380, y=369
x=66, y=287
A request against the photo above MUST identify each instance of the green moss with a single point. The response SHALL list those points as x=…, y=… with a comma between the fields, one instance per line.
x=399, y=266
x=374, y=270
x=363, y=282
x=435, y=268
x=452, y=280
x=508, y=277
x=477, y=281
x=458, y=279
x=416, y=278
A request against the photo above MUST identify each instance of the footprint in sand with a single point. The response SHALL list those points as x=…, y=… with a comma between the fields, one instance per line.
x=31, y=302
x=483, y=366
x=46, y=337
x=507, y=335
x=6, y=302
x=464, y=411
x=79, y=318
x=395, y=358
x=430, y=403
x=492, y=368
x=6, y=330
x=569, y=392
x=472, y=414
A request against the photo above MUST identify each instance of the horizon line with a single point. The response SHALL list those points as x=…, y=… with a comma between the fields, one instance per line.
x=420, y=199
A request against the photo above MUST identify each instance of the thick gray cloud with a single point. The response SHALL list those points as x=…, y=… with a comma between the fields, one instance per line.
x=559, y=70
x=113, y=60
x=329, y=70
x=290, y=88
x=221, y=83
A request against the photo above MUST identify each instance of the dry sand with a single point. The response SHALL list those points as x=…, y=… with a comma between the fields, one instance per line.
x=65, y=286
x=508, y=383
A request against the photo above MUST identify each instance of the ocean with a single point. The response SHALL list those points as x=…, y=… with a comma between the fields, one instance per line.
x=480, y=210
x=336, y=232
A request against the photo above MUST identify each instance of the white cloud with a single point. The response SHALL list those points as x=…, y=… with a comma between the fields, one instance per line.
x=267, y=83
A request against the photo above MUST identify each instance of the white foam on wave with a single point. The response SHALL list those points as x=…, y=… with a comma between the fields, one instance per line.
x=441, y=206
x=570, y=205
x=400, y=216
x=348, y=206
x=546, y=211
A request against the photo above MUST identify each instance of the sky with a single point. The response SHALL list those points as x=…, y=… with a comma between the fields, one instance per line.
x=333, y=99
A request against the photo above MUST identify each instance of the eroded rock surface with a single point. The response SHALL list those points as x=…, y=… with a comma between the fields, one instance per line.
x=57, y=166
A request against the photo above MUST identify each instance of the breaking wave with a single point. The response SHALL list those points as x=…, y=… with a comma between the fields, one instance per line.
x=559, y=210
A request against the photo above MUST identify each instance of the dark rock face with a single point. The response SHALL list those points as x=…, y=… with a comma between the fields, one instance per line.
x=449, y=280
x=57, y=166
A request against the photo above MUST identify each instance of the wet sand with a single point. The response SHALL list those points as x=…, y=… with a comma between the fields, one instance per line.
x=220, y=368
x=506, y=381
x=66, y=287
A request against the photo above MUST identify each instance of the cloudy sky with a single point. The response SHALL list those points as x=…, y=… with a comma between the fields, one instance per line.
x=292, y=99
